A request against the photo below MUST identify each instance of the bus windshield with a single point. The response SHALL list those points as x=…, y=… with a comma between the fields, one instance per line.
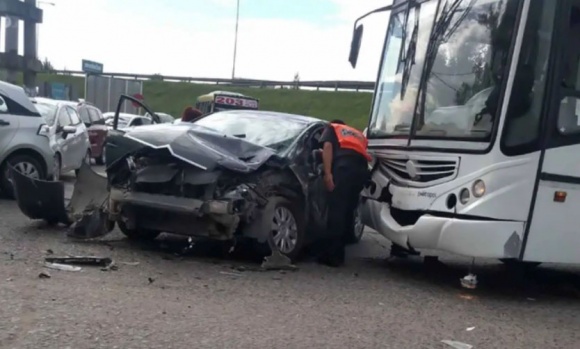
x=443, y=63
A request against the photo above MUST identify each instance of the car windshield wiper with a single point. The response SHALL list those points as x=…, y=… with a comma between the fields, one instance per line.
x=439, y=34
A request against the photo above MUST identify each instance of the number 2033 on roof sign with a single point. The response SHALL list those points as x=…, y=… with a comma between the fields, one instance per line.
x=239, y=102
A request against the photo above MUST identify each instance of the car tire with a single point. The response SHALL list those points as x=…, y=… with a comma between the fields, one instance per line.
x=289, y=218
x=86, y=159
x=5, y=183
x=356, y=231
x=137, y=234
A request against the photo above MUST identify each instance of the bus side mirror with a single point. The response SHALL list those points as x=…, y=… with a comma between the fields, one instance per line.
x=355, y=45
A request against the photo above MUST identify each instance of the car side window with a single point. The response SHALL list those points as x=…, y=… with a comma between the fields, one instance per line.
x=94, y=115
x=3, y=106
x=146, y=121
x=63, y=117
x=136, y=122
x=84, y=115
x=74, y=116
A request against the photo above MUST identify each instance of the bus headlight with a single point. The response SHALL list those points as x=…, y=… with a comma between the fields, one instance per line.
x=478, y=188
x=464, y=196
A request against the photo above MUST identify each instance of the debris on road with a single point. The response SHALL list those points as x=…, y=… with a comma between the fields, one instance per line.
x=457, y=345
x=470, y=328
x=49, y=251
x=44, y=275
x=63, y=267
x=230, y=273
x=277, y=261
x=469, y=281
x=133, y=264
x=151, y=280
x=94, y=261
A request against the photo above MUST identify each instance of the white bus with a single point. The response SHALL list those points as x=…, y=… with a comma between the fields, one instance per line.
x=475, y=129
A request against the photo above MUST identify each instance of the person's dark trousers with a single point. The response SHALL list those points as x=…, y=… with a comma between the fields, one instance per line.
x=342, y=201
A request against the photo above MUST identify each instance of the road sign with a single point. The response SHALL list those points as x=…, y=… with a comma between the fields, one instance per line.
x=91, y=67
x=139, y=97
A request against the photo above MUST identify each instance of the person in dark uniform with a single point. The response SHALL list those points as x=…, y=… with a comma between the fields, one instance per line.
x=345, y=160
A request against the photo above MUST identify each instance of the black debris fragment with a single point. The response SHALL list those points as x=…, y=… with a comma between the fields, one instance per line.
x=44, y=275
x=151, y=280
x=94, y=261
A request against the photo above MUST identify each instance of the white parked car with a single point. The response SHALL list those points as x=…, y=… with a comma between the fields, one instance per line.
x=24, y=144
x=67, y=134
x=127, y=120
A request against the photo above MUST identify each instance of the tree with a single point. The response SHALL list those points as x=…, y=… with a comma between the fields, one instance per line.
x=47, y=66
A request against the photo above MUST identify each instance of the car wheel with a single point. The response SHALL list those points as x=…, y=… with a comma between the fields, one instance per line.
x=86, y=160
x=56, y=168
x=357, y=230
x=288, y=230
x=137, y=234
x=26, y=165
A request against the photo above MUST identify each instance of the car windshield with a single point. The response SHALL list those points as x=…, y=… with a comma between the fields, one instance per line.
x=48, y=112
x=461, y=49
x=276, y=133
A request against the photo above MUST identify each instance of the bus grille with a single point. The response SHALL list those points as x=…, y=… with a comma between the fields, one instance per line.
x=419, y=172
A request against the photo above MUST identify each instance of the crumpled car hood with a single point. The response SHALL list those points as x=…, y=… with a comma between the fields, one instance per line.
x=201, y=147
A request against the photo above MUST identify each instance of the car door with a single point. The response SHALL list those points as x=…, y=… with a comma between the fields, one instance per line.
x=63, y=140
x=80, y=139
x=8, y=126
x=318, y=195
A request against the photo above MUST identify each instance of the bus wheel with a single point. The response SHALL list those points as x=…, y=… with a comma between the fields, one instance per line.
x=509, y=262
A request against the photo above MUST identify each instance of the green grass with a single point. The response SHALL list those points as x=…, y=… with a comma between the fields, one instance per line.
x=173, y=97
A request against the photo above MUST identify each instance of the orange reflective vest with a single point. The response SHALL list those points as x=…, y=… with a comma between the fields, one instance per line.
x=351, y=138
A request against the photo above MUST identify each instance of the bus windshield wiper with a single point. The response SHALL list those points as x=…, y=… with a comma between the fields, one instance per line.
x=440, y=28
x=408, y=59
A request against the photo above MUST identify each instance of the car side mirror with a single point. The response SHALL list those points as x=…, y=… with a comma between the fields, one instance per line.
x=69, y=129
x=366, y=131
x=355, y=45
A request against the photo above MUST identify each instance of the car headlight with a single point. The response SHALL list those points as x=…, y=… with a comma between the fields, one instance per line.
x=43, y=130
x=478, y=188
x=464, y=196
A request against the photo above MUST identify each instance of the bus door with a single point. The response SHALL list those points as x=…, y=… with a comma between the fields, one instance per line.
x=553, y=233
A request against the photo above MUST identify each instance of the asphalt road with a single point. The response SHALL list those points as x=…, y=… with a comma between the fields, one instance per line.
x=157, y=299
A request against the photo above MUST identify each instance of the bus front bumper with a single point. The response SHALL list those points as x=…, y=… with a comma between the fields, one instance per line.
x=467, y=237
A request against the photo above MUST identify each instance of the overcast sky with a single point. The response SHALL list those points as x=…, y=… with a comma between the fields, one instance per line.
x=276, y=38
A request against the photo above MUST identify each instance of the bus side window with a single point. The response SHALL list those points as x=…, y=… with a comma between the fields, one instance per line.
x=569, y=114
x=521, y=133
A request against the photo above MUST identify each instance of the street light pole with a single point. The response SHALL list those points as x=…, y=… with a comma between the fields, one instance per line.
x=236, y=40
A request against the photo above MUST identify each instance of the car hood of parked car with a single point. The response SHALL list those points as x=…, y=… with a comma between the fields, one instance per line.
x=202, y=147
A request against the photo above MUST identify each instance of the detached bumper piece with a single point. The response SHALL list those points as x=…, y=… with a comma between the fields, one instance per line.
x=38, y=199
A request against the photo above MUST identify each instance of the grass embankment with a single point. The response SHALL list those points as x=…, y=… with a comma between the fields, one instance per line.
x=173, y=97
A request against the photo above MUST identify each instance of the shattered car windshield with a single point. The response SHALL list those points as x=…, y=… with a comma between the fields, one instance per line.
x=48, y=112
x=465, y=55
x=271, y=132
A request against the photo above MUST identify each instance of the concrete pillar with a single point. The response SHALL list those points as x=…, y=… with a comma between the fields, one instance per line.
x=11, y=45
x=30, y=48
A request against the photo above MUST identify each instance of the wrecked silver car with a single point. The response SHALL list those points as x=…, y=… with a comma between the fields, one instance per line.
x=229, y=175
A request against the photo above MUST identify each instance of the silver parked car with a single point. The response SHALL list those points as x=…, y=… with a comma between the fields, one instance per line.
x=127, y=120
x=24, y=142
x=68, y=135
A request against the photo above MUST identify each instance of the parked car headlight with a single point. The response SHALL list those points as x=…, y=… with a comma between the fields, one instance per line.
x=43, y=130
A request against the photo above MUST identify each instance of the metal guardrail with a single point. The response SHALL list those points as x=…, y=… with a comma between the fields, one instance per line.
x=332, y=84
